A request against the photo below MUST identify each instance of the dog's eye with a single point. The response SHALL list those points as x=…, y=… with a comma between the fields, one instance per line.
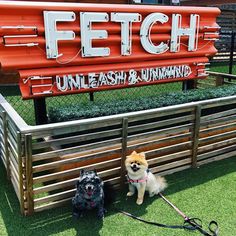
x=132, y=163
x=138, y=164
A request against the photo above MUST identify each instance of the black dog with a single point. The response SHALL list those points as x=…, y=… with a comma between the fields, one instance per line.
x=89, y=194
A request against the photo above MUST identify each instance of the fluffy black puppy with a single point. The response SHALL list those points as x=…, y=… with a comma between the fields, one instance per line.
x=89, y=194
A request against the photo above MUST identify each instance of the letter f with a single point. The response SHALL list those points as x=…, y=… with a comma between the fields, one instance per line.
x=52, y=35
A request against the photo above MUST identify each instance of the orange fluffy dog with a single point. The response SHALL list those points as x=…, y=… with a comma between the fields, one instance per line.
x=140, y=178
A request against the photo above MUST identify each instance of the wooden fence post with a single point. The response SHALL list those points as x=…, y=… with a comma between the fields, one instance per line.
x=195, y=136
x=231, y=60
x=124, y=150
x=219, y=80
x=29, y=174
x=5, y=132
x=20, y=166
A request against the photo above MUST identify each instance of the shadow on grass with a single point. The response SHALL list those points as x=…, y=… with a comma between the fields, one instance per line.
x=59, y=220
x=180, y=181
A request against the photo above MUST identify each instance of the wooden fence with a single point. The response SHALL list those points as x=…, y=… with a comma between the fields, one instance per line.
x=43, y=162
x=216, y=79
x=227, y=20
x=226, y=47
x=226, y=43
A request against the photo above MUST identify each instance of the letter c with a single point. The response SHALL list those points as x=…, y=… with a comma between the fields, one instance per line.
x=145, y=33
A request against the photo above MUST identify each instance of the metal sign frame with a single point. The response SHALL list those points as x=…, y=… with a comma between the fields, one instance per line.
x=67, y=48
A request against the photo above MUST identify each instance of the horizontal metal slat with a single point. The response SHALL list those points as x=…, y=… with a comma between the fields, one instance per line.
x=57, y=164
x=113, y=181
x=217, y=152
x=72, y=182
x=169, y=157
x=158, y=124
x=217, y=145
x=218, y=115
x=172, y=131
x=55, y=197
x=71, y=172
x=73, y=126
x=218, y=158
x=171, y=165
x=79, y=150
x=76, y=138
x=218, y=128
x=217, y=137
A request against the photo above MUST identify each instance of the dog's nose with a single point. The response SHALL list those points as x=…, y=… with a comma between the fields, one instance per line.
x=89, y=187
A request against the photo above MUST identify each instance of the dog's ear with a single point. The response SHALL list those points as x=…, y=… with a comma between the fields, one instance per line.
x=77, y=184
x=102, y=184
x=81, y=172
x=133, y=153
x=142, y=154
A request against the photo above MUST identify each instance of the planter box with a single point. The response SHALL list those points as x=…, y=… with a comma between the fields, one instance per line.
x=43, y=170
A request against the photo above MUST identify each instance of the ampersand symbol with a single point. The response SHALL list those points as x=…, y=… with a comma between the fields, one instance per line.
x=133, y=78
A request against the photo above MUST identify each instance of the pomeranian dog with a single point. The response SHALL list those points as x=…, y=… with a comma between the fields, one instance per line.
x=140, y=178
x=89, y=194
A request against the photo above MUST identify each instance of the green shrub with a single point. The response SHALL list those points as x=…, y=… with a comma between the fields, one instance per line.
x=96, y=109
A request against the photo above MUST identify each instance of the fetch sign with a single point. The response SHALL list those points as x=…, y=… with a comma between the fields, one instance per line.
x=67, y=48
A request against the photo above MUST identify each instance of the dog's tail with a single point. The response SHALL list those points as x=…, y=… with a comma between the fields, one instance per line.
x=162, y=183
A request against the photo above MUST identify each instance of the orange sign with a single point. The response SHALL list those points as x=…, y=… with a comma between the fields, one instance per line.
x=66, y=48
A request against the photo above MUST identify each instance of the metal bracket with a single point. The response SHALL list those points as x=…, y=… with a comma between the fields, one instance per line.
x=202, y=64
x=212, y=27
x=20, y=27
x=38, y=85
x=214, y=36
x=19, y=44
x=36, y=77
x=202, y=72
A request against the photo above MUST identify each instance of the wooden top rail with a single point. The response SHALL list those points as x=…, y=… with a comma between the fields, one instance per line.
x=229, y=76
x=56, y=128
x=12, y=114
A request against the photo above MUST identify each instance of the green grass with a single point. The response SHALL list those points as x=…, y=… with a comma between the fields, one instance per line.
x=207, y=192
x=222, y=67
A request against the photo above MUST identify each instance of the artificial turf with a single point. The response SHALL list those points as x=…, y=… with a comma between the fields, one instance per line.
x=207, y=192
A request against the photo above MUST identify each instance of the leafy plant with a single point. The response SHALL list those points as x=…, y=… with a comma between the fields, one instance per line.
x=96, y=109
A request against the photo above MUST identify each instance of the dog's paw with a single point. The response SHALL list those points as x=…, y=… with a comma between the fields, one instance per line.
x=101, y=212
x=77, y=215
x=129, y=194
x=139, y=201
x=101, y=215
x=152, y=194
